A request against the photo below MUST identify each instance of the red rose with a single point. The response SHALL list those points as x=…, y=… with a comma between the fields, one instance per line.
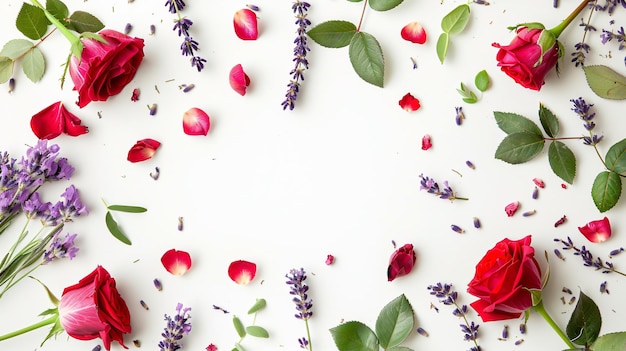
x=104, y=69
x=503, y=278
x=522, y=60
x=93, y=308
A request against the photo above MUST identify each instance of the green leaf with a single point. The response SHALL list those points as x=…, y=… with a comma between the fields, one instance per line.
x=606, y=190
x=513, y=123
x=241, y=330
x=80, y=22
x=546, y=41
x=115, y=230
x=482, y=80
x=610, y=342
x=55, y=300
x=238, y=347
x=124, y=208
x=605, y=82
x=333, y=34
x=442, y=46
x=16, y=48
x=584, y=325
x=562, y=161
x=395, y=322
x=32, y=22
x=549, y=122
x=34, y=64
x=258, y=305
x=399, y=348
x=384, y=5
x=6, y=69
x=455, y=21
x=57, y=9
x=519, y=147
x=366, y=57
x=467, y=94
x=257, y=332
x=616, y=157
x=354, y=336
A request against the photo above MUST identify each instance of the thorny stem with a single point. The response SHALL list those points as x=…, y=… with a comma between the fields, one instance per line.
x=542, y=311
x=358, y=28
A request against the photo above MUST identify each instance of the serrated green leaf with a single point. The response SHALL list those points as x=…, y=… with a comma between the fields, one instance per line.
x=519, y=147
x=549, y=122
x=514, y=123
x=6, y=69
x=482, y=80
x=610, y=342
x=239, y=328
x=34, y=64
x=606, y=190
x=81, y=21
x=395, y=322
x=616, y=157
x=258, y=305
x=333, y=34
x=257, y=332
x=115, y=230
x=455, y=21
x=32, y=21
x=605, y=82
x=442, y=46
x=57, y=9
x=562, y=161
x=125, y=208
x=354, y=336
x=366, y=57
x=384, y=5
x=16, y=48
x=584, y=325
x=399, y=348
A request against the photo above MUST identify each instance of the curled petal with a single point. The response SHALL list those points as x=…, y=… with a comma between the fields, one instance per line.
x=55, y=119
x=511, y=208
x=176, y=262
x=409, y=103
x=242, y=272
x=401, y=262
x=143, y=150
x=597, y=231
x=196, y=122
x=246, y=26
x=414, y=32
x=426, y=143
x=239, y=80
x=330, y=259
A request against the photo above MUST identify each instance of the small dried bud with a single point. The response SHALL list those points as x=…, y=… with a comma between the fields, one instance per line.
x=11, y=85
x=144, y=305
x=470, y=164
x=558, y=254
x=522, y=328
x=157, y=284
x=535, y=193
x=137, y=343
x=135, y=96
x=529, y=213
x=457, y=229
x=253, y=7
x=128, y=28
x=560, y=221
x=477, y=223
x=421, y=331
x=519, y=342
x=152, y=29
x=180, y=224
x=152, y=109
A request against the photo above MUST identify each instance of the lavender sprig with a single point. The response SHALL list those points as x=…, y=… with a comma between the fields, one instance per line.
x=300, y=51
x=620, y=37
x=449, y=296
x=588, y=258
x=295, y=279
x=175, y=329
x=583, y=110
x=432, y=187
x=181, y=25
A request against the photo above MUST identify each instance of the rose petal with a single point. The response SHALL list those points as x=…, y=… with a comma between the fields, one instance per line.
x=330, y=259
x=246, y=26
x=196, y=122
x=414, y=32
x=597, y=231
x=511, y=208
x=239, y=80
x=143, y=150
x=409, y=103
x=55, y=119
x=176, y=262
x=242, y=272
x=426, y=144
x=401, y=262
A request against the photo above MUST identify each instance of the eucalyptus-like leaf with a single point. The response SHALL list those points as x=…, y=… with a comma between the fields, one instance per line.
x=549, y=122
x=519, y=147
x=125, y=208
x=16, y=48
x=354, y=336
x=455, y=21
x=514, y=123
x=257, y=332
x=468, y=95
x=384, y=5
x=442, y=46
x=482, y=80
x=58, y=9
x=562, y=161
x=610, y=342
x=81, y=21
x=584, y=325
x=6, y=69
x=333, y=34
x=605, y=82
x=115, y=229
x=606, y=190
x=34, y=64
x=32, y=21
x=366, y=57
x=258, y=305
x=472, y=99
x=395, y=322
x=616, y=157
x=239, y=328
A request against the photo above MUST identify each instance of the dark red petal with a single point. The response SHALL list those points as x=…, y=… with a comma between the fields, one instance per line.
x=73, y=125
x=143, y=150
x=49, y=122
x=176, y=262
x=242, y=272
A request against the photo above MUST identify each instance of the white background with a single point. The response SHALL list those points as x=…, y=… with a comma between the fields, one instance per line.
x=338, y=175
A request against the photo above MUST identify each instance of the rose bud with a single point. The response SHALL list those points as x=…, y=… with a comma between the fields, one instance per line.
x=597, y=231
x=401, y=262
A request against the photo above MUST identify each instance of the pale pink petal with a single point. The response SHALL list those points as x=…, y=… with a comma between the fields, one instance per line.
x=245, y=24
x=196, y=122
x=242, y=272
x=176, y=262
x=239, y=80
x=414, y=32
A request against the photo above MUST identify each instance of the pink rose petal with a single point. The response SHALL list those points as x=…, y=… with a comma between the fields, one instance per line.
x=426, y=143
x=176, y=262
x=511, y=208
x=414, y=32
x=239, y=80
x=330, y=259
x=143, y=150
x=196, y=122
x=245, y=24
x=242, y=272
x=597, y=231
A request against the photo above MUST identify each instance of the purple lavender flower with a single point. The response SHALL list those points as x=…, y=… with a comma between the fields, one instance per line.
x=33, y=207
x=583, y=110
x=431, y=186
x=182, y=25
x=175, y=329
x=588, y=258
x=449, y=296
x=300, y=51
x=175, y=5
x=60, y=247
x=295, y=279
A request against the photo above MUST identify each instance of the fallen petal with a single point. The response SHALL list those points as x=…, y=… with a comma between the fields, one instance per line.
x=246, y=26
x=55, y=119
x=511, y=208
x=196, y=122
x=330, y=259
x=401, y=262
x=239, y=80
x=143, y=150
x=409, y=103
x=242, y=272
x=414, y=32
x=597, y=231
x=426, y=143
x=176, y=262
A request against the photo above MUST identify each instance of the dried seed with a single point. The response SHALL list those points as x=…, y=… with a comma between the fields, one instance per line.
x=180, y=224
x=137, y=343
x=457, y=229
x=157, y=284
x=144, y=305
x=560, y=221
x=470, y=164
x=529, y=213
x=421, y=331
x=476, y=223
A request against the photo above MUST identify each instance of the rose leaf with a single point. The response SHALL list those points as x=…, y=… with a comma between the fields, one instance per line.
x=442, y=46
x=513, y=123
x=455, y=21
x=34, y=64
x=16, y=48
x=519, y=147
x=548, y=120
x=616, y=157
x=6, y=69
x=57, y=9
x=395, y=322
x=611, y=341
x=32, y=22
x=366, y=57
x=81, y=21
x=354, y=335
x=584, y=325
x=606, y=190
x=333, y=34
x=384, y=5
x=482, y=80
x=605, y=82
x=562, y=161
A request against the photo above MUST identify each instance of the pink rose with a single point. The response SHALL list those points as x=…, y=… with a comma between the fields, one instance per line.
x=104, y=69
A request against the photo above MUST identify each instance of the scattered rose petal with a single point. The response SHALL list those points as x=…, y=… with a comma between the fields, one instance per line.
x=239, y=80
x=242, y=272
x=196, y=122
x=409, y=103
x=560, y=221
x=211, y=347
x=563, y=185
x=401, y=262
x=426, y=144
x=330, y=259
x=538, y=182
x=246, y=26
x=414, y=32
x=176, y=262
x=55, y=119
x=597, y=231
x=143, y=150
x=135, y=96
x=511, y=208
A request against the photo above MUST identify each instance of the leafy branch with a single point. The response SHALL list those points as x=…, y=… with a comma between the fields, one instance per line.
x=252, y=330
x=452, y=23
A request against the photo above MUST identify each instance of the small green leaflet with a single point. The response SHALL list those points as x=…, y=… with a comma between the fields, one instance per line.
x=549, y=122
x=80, y=22
x=115, y=229
x=452, y=23
x=333, y=34
x=257, y=332
x=605, y=82
x=124, y=208
x=442, y=46
x=562, y=161
x=366, y=57
x=606, y=190
x=34, y=64
x=32, y=22
x=258, y=305
x=384, y=5
x=468, y=95
x=610, y=342
x=241, y=330
x=584, y=325
x=482, y=81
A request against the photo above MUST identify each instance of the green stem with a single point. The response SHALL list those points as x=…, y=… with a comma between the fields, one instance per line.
x=308, y=335
x=74, y=40
x=542, y=311
x=561, y=27
x=50, y=320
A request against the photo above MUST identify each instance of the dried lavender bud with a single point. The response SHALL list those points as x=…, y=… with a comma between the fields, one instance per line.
x=414, y=63
x=535, y=193
x=460, y=116
x=457, y=229
x=558, y=254
x=529, y=213
x=519, y=342
x=180, y=224
x=152, y=109
x=421, y=331
x=157, y=284
x=603, y=288
x=572, y=300
x=522, y=328
x=97, y=348
x=187, y=88
x=253, y=7
x=128, y=28
x=477, y=223
x=470, y=164
x=144, y=305
x=11, y=85
x=616, y=252
x=152, y=29
x=505, y=332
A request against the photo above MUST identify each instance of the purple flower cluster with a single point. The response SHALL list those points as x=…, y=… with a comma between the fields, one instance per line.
x=175, y=329
x=620, y=37
x=295, y=279
x=182, y=25
x=300, y=9
x=582, y=48
x=432, y=187
x=60, y=247
x=583, y=110
x=588, y=258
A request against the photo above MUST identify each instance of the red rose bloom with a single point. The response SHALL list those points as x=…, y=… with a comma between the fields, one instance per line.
x=94, y=309
x=503, y=278
x=401, y=262
x=104, y=69
x=522, y=60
